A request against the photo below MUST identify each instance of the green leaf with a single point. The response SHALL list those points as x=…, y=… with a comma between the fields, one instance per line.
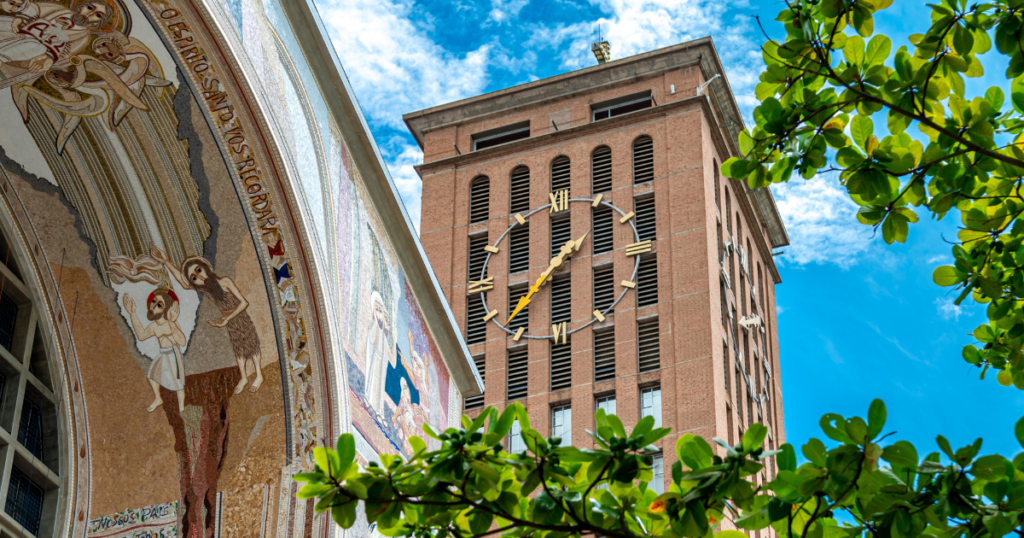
x=861, y=129
x=901, y=454
x=786, y=460
x=878, y=50
x=1018, y=430
x=347, y=450
x=754, y=437
x=853, y=52
x=746, y=143
x=1017, y=94
x=995, y=97
x=814, y=450
x=694, y=451
x=946, y=276
x=963, y=40
x=876, y=418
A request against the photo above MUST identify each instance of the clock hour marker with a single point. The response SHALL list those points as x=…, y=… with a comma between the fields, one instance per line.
x=559, y=201
x=626, y=218
x=638, y=248
x=628, y=284
x=560, y=329
x=598, y=315
x=477, y=286
x=492, y=250
x=519, y=334
x=597, y=200
x=491, y=315
x=520, y=219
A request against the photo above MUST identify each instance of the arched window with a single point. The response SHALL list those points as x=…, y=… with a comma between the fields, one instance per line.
x=643, y=159
x=519, y=190
x=601, y=169
x=479, y=199
x=560, y=174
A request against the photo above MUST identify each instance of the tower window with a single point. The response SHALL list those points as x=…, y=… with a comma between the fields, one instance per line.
x=601, y=169
x=8, y=318
x=519, y=249
x=561, y=423
x=515, y=439
x=621, y=105
x=607, y=403
x=715, y=168
x=725, y=365
x=648, y=342
x=501, y=135
x=645, y=223
x=604, y=355
x=518, y=373
x=561, y=365
x=476, y=402
x=647, y=281
x=477, y=256
x=604, y=287
x=519, y=190
x=561, y=232
x=650, y=404
x=560, y=174
x=30, y=428
x=25, y=501
x=643, y=159
x=658, y=468
x=561, y=300
x=603, y=235
x=479, y=199
x=476, y=327
x=522, y=319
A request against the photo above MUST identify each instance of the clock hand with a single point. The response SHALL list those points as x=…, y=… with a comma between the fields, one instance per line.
x=525, y=300
x=556, y=263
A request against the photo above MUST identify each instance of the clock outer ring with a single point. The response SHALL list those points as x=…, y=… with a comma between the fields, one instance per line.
x=487, y=261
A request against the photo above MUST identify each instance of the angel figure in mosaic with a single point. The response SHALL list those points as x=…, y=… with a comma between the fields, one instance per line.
x=167, y=371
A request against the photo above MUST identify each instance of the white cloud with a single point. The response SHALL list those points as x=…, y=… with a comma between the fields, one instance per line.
x=937, y=258
x=896, y=343
x=503, y=10
x=407, y=180
x=948, y=310
x=830, y=349
x=821, y=221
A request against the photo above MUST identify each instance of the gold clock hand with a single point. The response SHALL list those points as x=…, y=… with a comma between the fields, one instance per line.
x=525, y=300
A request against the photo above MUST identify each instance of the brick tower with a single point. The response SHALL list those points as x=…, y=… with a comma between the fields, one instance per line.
x=663, y=303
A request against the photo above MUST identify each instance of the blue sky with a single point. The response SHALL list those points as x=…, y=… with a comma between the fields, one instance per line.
x=857, y=319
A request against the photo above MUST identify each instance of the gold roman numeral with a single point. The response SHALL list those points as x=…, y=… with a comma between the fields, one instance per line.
x=626, y=218
x=491, y=315
x=519, y=334
x=597, y=200
x=560, y=329
x=559, y=201
x=598, y=315
x=477, y=286
x=636, y=249
x=492, y=250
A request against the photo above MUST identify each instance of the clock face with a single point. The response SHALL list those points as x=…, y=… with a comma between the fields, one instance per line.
x=559, y=332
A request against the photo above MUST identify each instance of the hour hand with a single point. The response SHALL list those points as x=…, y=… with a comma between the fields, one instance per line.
x=523, y=301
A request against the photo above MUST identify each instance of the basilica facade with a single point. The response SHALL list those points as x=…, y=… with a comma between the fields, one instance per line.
x=206, y=272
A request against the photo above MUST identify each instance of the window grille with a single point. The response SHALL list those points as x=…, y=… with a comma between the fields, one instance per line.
x=518, y=373
x=647, y=281
x=602, y=228
x=561, y=423
x=645, y=220
x=25, y=501
x=604, y=287
x=480, y=199
x=715, y=164
x=519, y=249
x=519, y=190
x=643, y=159
x=476, y=402
x=650, y=404
x=523, y=318
x=30, y=428
x=8, y=318
x=561, y=365
x=604, y=355
x=476, y=327
x=501, y=135
x=477, y=255
x=607, y=403
x=658, y=468
x=515, y=439
x=650, y=349
x=561, y=231
x=560, y=174
x=601, y=169
x=561, y=300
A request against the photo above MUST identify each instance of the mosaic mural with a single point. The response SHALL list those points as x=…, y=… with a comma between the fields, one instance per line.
x=232, y=294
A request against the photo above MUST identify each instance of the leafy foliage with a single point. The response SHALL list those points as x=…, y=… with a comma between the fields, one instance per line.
x=471, y=487
x=833, y=87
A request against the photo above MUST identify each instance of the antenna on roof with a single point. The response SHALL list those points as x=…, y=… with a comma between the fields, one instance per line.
x=602, y=49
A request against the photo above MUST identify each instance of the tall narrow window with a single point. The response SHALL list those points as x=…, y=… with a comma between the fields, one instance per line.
x=725, y=365
x=647, y=281
x=643, y=159
x=519, y=190
x=739, y=393
x=604, y=288
x=648, y=343
x=603, y=235
x=604, y=355
x=24, y=501
x=476, y=402
x=601, y=169
x=561, y=423
x=30, y=428
x=560, y=174
x=477, y=256
x=522, y=319
x=561, y=300
x=518, y=373
x=561, y=365
x=515, y=439
x=479, y=199
x=645, y=223
x=476, y=327
x=8, y=318
x=561, y=231
x=607, y=403
x=715, y=165
x=650, y=404
x=519, y=249
x=658, y=469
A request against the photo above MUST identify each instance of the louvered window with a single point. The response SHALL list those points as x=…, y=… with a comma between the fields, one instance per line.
x=25, y=501
x=522, y=318
x=519, y=249
x=476, y=327
x=715, y=162
x=518, y=373
x=604, y=355
x=621, y=105
x=650, y=404
x=602, y=229
x=601, y=169
x=476, y=402
x=560, y=174
x=561, y=300
x=647, y=281
x=480, y=199
x=645, y=224
x=604, y=288
x=725, y=364
x=561, y=232
x=519, y=190
x=561, y=365
x=477, y=256
x=643, y=159
x=501, y=135
x=648, y=342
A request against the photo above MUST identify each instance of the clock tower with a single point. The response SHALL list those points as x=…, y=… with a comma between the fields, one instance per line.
x=594, y=256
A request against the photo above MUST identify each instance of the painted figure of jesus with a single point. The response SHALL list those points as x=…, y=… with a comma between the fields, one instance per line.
x=167, y=370
x=197, y=273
